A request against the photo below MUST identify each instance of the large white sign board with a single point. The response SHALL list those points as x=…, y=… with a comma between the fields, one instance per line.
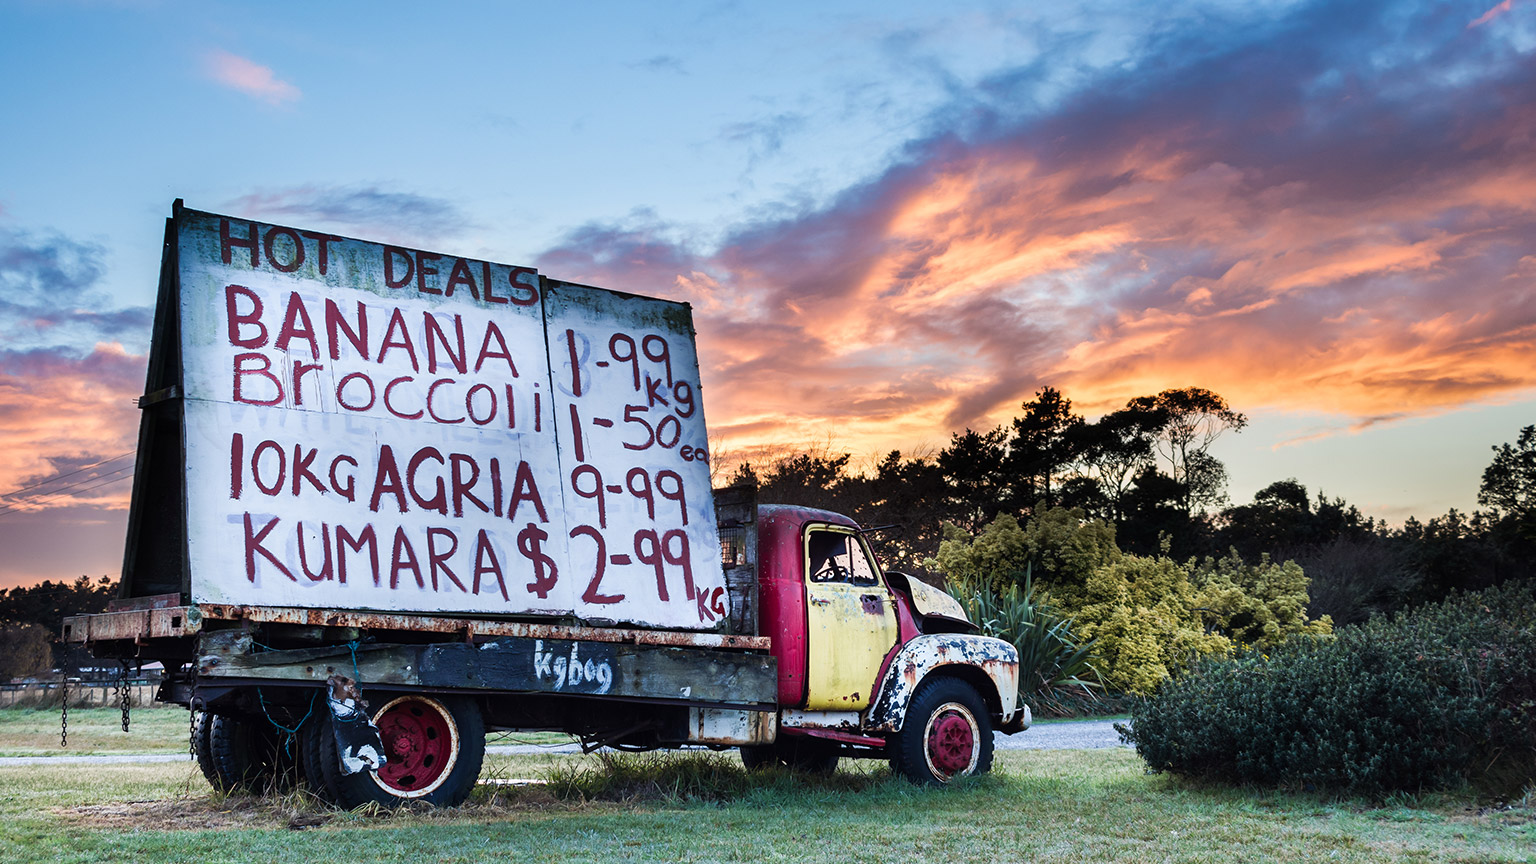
x=371, y=427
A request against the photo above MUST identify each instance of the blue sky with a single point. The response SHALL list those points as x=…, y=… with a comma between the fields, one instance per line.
x=894, y=220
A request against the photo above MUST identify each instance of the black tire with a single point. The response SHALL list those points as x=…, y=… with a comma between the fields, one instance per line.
x=807, y=755
x=435, y=747
x=311, y=734
x=202, y=723
x=759, y=757
x=247, y=754
x=947, y=734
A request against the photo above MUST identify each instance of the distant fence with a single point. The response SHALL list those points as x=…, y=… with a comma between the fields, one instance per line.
x=82, y=694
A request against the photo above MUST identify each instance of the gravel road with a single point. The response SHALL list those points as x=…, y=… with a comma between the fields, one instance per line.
x=1067, y=735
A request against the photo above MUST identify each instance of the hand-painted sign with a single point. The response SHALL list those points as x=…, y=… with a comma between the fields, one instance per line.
x=372, y=427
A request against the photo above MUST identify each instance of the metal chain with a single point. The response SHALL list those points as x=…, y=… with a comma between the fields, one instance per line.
x=123, y=692
x=64, y=717
x=192, y=732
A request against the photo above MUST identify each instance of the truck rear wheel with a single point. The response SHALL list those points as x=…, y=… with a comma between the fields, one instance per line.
x=202, y=722
x=236, y=753
x=434, y=749
x=947, y=734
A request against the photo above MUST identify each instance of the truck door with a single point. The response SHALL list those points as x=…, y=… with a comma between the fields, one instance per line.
x=851, y=620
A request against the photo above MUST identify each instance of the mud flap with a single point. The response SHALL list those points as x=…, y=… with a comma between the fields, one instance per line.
x=358, y=744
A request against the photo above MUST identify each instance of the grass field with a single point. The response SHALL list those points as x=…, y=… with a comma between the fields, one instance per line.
x=1037, y=806
x=92, y=731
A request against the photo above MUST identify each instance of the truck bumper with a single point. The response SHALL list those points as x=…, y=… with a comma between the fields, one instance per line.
x=1018, y=722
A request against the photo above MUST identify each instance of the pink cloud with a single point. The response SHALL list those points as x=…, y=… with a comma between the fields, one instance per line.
x=250, y=78
x=1491, y=14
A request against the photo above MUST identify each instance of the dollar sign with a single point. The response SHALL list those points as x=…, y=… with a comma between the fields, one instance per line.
x=528, y=542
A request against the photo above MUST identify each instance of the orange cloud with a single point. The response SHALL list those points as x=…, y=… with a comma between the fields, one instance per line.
x=1287, y=219
x=60, y=412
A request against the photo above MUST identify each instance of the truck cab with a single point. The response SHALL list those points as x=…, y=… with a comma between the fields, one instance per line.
x=871, y=663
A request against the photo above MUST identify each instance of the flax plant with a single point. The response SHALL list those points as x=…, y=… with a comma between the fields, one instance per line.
x=1056, y=669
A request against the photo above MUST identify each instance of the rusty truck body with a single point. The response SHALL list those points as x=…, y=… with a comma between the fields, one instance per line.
x=388, y=499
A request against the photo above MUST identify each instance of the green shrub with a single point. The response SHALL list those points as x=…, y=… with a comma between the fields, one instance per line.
x=1149, y=617
x=1146, y=616
x=1256, y=605
x=1062, y=546
x=1429, y=699
x=993, y=559
x=1066, y=547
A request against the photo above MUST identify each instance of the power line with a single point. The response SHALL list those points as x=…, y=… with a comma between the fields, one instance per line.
x=37, y=503
x=62, y=489
x=62, y=476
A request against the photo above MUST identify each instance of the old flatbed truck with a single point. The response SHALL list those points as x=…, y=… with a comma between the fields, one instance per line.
x=449, y=496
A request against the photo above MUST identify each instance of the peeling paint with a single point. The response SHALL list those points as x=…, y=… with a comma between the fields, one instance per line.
x=731, y=727
x=924, y=655
x=795, y=718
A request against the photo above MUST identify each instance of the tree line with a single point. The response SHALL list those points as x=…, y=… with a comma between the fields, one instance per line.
x=1146, y=472
x=32, y=616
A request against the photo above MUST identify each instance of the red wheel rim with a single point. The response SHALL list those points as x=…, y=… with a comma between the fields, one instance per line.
x=952, y=744
x=421, y=744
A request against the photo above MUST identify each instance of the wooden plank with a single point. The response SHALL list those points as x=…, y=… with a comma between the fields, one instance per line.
x=474, y=626
x=155, y=554
x=513, y=664
x=134, y=625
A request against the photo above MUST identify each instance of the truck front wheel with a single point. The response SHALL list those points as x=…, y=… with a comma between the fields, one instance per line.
x=433, y=750
x=947, y=734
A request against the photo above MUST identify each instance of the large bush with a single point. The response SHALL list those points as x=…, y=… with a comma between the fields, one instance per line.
x=1146, y=617
x=1149, y=616
x=1060, y=546
x=1256, y=605
x=1442, y=695
x=994, y=558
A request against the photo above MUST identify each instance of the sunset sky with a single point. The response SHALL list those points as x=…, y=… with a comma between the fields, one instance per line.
x=894, y=220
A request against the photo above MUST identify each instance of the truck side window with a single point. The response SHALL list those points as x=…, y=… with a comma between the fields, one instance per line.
x=828, y=553
x=839, y=557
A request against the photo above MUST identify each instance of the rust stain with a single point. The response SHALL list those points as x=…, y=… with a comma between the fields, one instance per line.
x=186, y=620
x=833, y=735
x=135, y=624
